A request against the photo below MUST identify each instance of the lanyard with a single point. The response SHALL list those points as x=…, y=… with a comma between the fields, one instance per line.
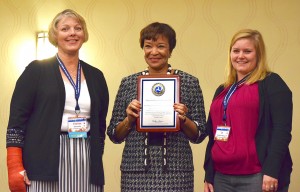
x=230, y=92
x=76, y=86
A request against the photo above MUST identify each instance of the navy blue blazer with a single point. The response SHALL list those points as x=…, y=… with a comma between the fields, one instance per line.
x=36, y=111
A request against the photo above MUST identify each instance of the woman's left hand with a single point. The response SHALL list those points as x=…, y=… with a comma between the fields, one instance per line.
x=269, y=183
x=181, y=109
x=188, y=127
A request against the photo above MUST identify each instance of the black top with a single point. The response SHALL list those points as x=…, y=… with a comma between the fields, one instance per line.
x=36, y=112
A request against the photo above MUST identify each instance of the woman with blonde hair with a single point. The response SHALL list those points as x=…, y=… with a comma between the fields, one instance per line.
x=57, y=124
x=249, y=123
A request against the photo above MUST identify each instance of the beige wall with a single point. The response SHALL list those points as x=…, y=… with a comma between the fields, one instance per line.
x=204, y=29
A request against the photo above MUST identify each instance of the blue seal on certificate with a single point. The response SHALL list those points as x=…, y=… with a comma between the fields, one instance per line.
x=158, y=89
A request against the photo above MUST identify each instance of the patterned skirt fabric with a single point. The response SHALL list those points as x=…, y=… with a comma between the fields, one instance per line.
x=73, y=169
x=155, y=179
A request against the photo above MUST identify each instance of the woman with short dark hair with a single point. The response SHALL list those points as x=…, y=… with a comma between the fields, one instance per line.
x=158, y=161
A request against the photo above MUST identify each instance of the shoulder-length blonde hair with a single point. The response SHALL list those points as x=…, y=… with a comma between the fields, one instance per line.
x=261, y=70
x=52, y=32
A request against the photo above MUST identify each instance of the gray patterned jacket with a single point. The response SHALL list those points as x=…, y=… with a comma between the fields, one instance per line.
x=179, y=153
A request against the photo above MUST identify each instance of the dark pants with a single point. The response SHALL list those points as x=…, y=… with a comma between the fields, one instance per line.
x=237, y=183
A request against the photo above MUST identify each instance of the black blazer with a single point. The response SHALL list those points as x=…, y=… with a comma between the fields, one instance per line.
x=273, y=133
x=36, y=115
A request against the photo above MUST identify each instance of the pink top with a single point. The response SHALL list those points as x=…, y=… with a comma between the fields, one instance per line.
x=238, y=155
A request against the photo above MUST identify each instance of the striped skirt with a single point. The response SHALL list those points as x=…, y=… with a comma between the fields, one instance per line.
x=74, y=169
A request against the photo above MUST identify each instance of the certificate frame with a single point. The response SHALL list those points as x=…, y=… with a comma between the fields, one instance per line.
x=157, y=95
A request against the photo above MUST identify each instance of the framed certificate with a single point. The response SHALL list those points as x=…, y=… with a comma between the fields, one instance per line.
x=157, y=95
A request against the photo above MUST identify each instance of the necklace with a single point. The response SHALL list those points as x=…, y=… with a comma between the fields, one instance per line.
x=146, y=71
x=73, y=72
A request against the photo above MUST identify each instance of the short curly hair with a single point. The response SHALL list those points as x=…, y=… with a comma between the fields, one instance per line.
x=153, y=30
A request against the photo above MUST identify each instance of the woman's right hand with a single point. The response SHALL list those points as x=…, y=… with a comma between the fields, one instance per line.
x=133, y=110
x=125, y=126
x=16, y=182
x=208, y=187
x=17, y=178
x=26, y=179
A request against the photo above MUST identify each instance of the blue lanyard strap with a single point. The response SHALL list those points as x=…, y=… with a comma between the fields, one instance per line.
x=76, y=86
x=227, y=97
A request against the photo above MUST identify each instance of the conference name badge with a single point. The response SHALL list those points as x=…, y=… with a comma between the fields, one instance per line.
x=77, y=127
x=222, y=133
